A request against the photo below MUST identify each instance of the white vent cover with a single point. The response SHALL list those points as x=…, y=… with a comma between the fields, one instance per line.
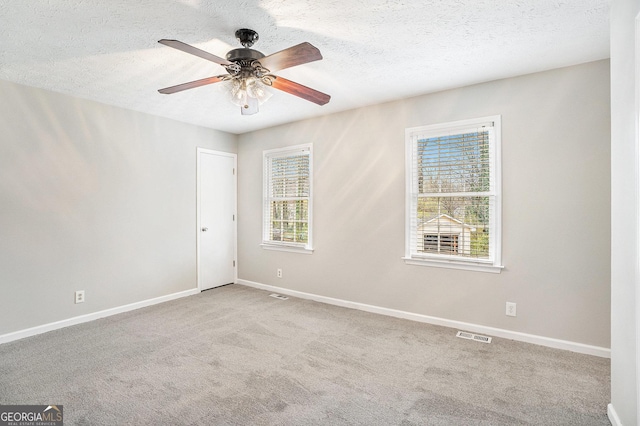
x=278, y=296
x=471, y=336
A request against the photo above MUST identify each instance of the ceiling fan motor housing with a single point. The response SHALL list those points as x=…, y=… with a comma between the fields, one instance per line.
x=246, y=63
x=244, y=54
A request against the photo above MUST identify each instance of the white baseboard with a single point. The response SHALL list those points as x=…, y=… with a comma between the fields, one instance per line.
x=21, y=334
x=613, y=416
x=497, y=332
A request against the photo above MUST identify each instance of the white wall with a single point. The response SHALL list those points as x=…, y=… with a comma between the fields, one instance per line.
x=556, y=188
x=624, y=212
x=94, y=198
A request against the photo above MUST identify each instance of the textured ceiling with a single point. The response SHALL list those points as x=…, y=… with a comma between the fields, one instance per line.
x=374, y=50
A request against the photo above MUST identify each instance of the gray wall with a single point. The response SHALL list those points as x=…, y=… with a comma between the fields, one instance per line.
x=556, y=190
x=93, y=198
x=624, y=213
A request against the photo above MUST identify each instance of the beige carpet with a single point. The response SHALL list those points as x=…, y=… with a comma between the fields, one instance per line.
x=235, y=356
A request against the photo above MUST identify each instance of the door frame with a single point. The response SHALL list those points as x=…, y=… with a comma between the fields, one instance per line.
x=637, y=206
x=199, y=152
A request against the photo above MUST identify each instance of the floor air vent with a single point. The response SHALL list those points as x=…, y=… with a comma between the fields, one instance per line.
x=278, y=296
x=471, y=336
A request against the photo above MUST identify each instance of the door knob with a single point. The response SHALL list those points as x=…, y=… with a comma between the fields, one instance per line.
x=205, y=229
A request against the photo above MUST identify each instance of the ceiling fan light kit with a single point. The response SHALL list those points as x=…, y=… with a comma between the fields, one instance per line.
x=249, y=72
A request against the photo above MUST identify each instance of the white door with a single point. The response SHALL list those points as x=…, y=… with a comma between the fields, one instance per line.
x=216, y=218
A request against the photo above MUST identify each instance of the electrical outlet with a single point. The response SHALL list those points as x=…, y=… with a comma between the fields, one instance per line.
x=511, y=309
x=79, y=296
x=279, y=273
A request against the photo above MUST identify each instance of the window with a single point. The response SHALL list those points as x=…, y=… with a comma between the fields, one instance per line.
x=453, y=195
x=441, y=243
x=287, y=199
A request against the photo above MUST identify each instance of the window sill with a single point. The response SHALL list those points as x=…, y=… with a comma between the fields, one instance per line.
x=290, y=249
x=454, y=264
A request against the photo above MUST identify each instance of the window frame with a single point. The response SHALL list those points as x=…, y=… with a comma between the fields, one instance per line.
x=268, y=244
x=494, y=263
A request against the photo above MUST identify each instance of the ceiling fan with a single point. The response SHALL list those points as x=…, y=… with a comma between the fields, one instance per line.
x=250, y=72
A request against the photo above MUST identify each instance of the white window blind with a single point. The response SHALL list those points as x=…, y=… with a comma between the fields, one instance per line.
x=287, y=197
x=453, y=194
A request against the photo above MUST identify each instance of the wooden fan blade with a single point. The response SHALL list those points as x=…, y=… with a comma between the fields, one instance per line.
x=194, y=51
x=191, y=85
x=300, y=91
x=287, y=58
